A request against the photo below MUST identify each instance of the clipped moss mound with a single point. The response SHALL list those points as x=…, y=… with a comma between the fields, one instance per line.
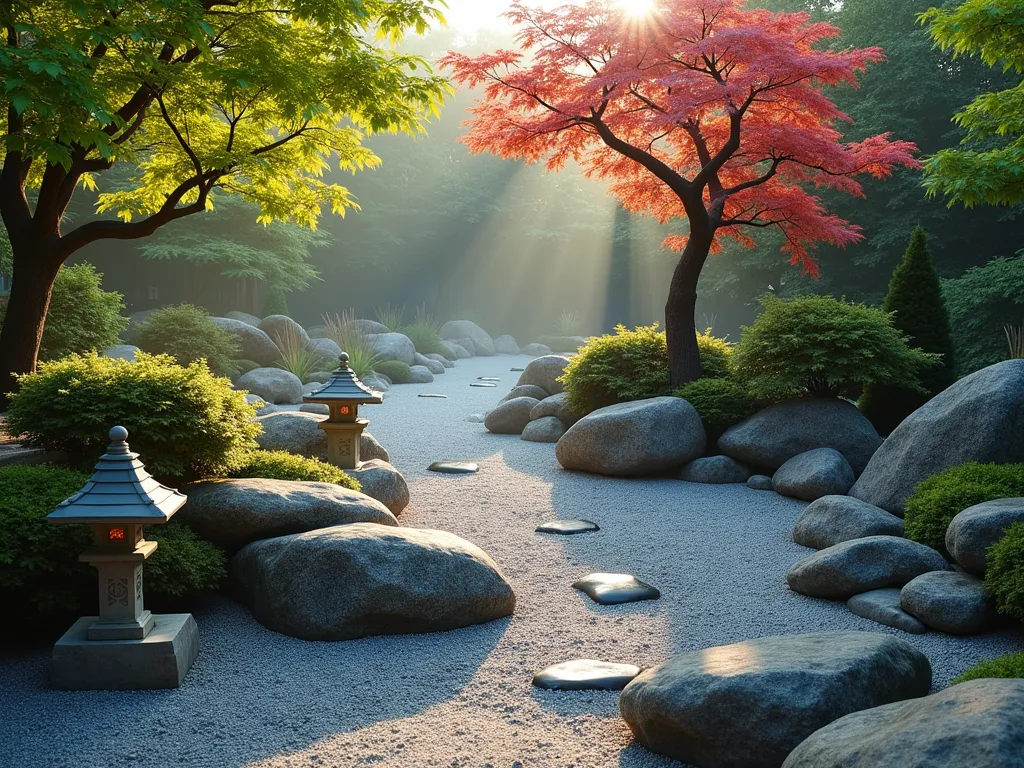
x=721, y=403
x=1004, y=572
x=1011, y=665
x=396, y=370
x=282, y=465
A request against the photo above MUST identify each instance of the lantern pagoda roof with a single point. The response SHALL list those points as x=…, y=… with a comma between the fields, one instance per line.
x=344, y=385
x=120, y=491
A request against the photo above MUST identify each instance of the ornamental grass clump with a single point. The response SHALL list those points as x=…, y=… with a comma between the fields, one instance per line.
x=824, y=347
x=1004, y=572
x=186, y=333
x=568, y=323
x=424, y=337
x=343, y=331
x=186, y=422
x=282, y=465
x=940, y=498
x=296, y=356
x=1009, y=666
x=390, y=316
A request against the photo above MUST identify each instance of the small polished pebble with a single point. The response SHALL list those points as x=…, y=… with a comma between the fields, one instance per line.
x=615, y=588
x=476, y=418
x=586, y=675
x=483, y=386
x=568, y=527
x=435, y=397
x=454, y=467
x=488, y=378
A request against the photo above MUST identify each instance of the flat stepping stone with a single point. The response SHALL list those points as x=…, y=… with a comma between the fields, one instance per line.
x=568, y=527
x=517, y=370
x=615, y=588
x=434, y=397
x=483, y=386
x=585, y=675
x=883, y=607
x=454, y=467
x=488, y=378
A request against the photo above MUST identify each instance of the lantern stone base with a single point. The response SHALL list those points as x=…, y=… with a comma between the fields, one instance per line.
x=161, y=660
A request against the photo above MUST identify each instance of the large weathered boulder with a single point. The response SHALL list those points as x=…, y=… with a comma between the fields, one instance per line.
x=860, y=565
x=435, y=368
x=370, y=327
x=536, y=350
x=278, y=327
x=359, y=580
x=749, y=704
x=639, y=438
x=715, y=470
x=544, y=372
x=233, y=513
x=394, y=346
x=977, y=528
x=526, y=390
x=381, y=481
x=832, y=520
x=300, y=433
x=444, y=361
x=949, y=601
x=506, y=345
x=328, y=349
x=977, y=724
x=420, y=374
x=511, y=416
x=811, y=475
x=558, y=406
x=242, y=317
x=464, y=329
x=562, y=344
x=455, y=352
x=121, y=352
x=275, y=385
x=468, y=345
x=979, y=418
x=548, y=429
x=253, y=344
x=775, y=435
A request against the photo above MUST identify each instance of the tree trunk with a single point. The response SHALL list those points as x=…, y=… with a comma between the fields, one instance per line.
x=35, y=270
x=680, y=323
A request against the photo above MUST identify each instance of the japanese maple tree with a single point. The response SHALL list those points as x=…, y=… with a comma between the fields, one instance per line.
x=699, y=109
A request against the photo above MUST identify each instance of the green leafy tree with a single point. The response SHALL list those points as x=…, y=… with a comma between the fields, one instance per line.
x=980, y=303
x=919, y=312
x=249, y=97
x=989, y=166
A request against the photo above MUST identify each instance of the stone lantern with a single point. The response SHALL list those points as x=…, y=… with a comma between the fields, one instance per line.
x=126, y=646
x=343, y=394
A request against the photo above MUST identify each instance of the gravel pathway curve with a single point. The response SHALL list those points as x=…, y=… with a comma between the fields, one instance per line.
x=463, y=699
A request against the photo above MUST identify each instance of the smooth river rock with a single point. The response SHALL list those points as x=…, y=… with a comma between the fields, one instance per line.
x=615, y=588
x=883, y=607
x=545, y=372
x=548, y=429
x=524, y=390
x=274, y=385
x=977, y=528
x=253, y=344
x=511, y=416
x=832, y=520
x=585, y=675
x=300, y=433
x=363, y=579
x=811, y=475
x=557, y=406
x=464, y=329
x=568, y=527
x=748, y=705
x=715, y=470
x=454, y=467
x=949, y=601
x=381, y=481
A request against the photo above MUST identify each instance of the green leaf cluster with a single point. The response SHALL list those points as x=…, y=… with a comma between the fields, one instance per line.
x=940, y=498
x=1004, y=574
x=396, y=370
x=282, y=465
x=185, y=422
x=919, y=312
x=82, y=316
x=186, y=333
x=720, y=402
x=1008, y=666
x=822, y=346
x=183, y=564
x=988, y=168
x=980, y=303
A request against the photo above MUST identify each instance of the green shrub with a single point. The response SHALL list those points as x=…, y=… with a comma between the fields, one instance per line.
x=82, y=316
x=822, y=346
x=721, y=403
x=281, y=465
x=1011, y=665
x=42, y=581
x=396, y=370
x=942, y=497
x=919, y=312
x=1004, y=572
x=242, y=367
x=275, y=302
x=980, y=303
x=715, y=356
x=425, y=338
x=186, y=333
x=185, y=422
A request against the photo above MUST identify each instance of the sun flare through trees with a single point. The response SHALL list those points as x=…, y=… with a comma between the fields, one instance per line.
x=702, y=110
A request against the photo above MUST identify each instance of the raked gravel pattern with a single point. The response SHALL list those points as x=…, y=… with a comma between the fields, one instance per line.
x=463, y=699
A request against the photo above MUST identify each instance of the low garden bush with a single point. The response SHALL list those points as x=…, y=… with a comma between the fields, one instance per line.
x=942, y=497
x=185, y=422
x=822, y=346
x=82, y=316
x=242, y=367
x=1004, y=572
x=275, y=302
x=282, y=465
x=186, y=333
x=396, y=370
x=721, y=403
x=1011, y=665
x=631, y=365
x=42, y=581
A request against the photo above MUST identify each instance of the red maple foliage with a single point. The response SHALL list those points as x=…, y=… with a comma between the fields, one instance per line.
x=701, y=109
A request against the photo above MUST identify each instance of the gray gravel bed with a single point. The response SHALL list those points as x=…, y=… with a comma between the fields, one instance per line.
x=719, y=555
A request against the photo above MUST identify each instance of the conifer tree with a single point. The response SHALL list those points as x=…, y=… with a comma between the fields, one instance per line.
x=915, y=296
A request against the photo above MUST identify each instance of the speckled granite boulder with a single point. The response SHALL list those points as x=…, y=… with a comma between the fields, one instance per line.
x=359, y=580
x=832, y=520
x=811, y=475
x=464, y=329
x=557, y=406
x=748, y=705
x=274, y=385
x=421, y=375
x=253, y=344
x=977, y=528
x=278, y=326
x=544, y=372
x=394, y=346
x=300, y=433
x=548, y=429
x=526, y=390
x=506, y=345
x=511, y=416
x=882, y=606
x=715, y=470
x=949, y=601
x=454, y=351
x=381, y=481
